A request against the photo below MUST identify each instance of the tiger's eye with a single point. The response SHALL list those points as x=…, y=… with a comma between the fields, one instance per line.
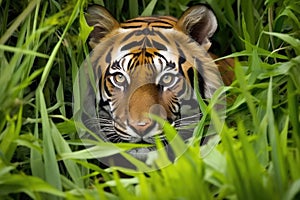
x=120, y=78
x=167, y=79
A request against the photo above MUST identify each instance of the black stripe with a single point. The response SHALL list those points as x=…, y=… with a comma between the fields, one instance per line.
x=180, y=62
x=190, y=74
x=131, y=45
x=161, y=26
x=162, y=36
x=159, y=46
x=183, y=90
x=95, y=63
x=182, y=55
x=120, y=131
x=173, y=105
x=147, y=20
x=107, y=90
x=108, y=56
x=201, y=83
x=161, y=56
x=154, y=26
x=170, y=65
x=128, y=36
x=146, y=31
x=115, y=66
x=147, y=42
x=131, y=27
x=136, y=21
x=131, y=63
x=99, y=71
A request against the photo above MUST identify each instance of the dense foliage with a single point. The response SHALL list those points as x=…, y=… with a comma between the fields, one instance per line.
x=43, y=43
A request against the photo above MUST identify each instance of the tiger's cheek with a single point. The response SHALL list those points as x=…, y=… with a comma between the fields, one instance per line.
x=119, y=111
x=108, y=88
x=118, y=102
x=175, y=98
x=171, y=105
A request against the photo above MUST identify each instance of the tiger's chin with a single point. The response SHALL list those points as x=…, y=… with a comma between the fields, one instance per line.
x=142, y=153
x=150, y=153
x=145, y=153
x=147, y=140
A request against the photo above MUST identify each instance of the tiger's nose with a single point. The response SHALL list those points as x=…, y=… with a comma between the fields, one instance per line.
x=143, y=126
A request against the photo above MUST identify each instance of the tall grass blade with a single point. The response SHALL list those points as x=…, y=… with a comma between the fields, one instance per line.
x=52, y=174
x=149, y=9
x=240, y=76
x=23, y=51
x=18, y=21
x=133, y=8
x=294, y=42
x=280, y=177
x=29, y=184
x=61, y=146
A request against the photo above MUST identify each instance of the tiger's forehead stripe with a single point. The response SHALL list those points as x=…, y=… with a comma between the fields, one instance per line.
x=142, y=22
x=143, y=29
x=144, y=43
x=145, y=38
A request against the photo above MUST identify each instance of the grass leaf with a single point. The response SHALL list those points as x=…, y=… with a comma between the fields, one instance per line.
x=149, y=9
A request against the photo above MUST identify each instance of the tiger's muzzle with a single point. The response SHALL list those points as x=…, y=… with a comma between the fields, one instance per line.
x=145, y=101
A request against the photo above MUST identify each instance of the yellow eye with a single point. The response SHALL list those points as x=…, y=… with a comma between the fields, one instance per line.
x=167, y=79
x=119, y=78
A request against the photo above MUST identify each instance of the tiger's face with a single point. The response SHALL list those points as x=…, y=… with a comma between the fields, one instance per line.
x=148, y=66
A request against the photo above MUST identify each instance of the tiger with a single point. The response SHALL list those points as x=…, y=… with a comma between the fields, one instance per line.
x=144, y=67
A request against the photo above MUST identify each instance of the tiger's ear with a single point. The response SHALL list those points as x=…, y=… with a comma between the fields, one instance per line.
x=200, y=23
x=102, y=21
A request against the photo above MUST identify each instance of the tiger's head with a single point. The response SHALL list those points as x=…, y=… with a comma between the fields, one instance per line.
x=148, y=66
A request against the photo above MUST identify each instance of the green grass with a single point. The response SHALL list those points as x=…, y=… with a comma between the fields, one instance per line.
x=43, y=43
